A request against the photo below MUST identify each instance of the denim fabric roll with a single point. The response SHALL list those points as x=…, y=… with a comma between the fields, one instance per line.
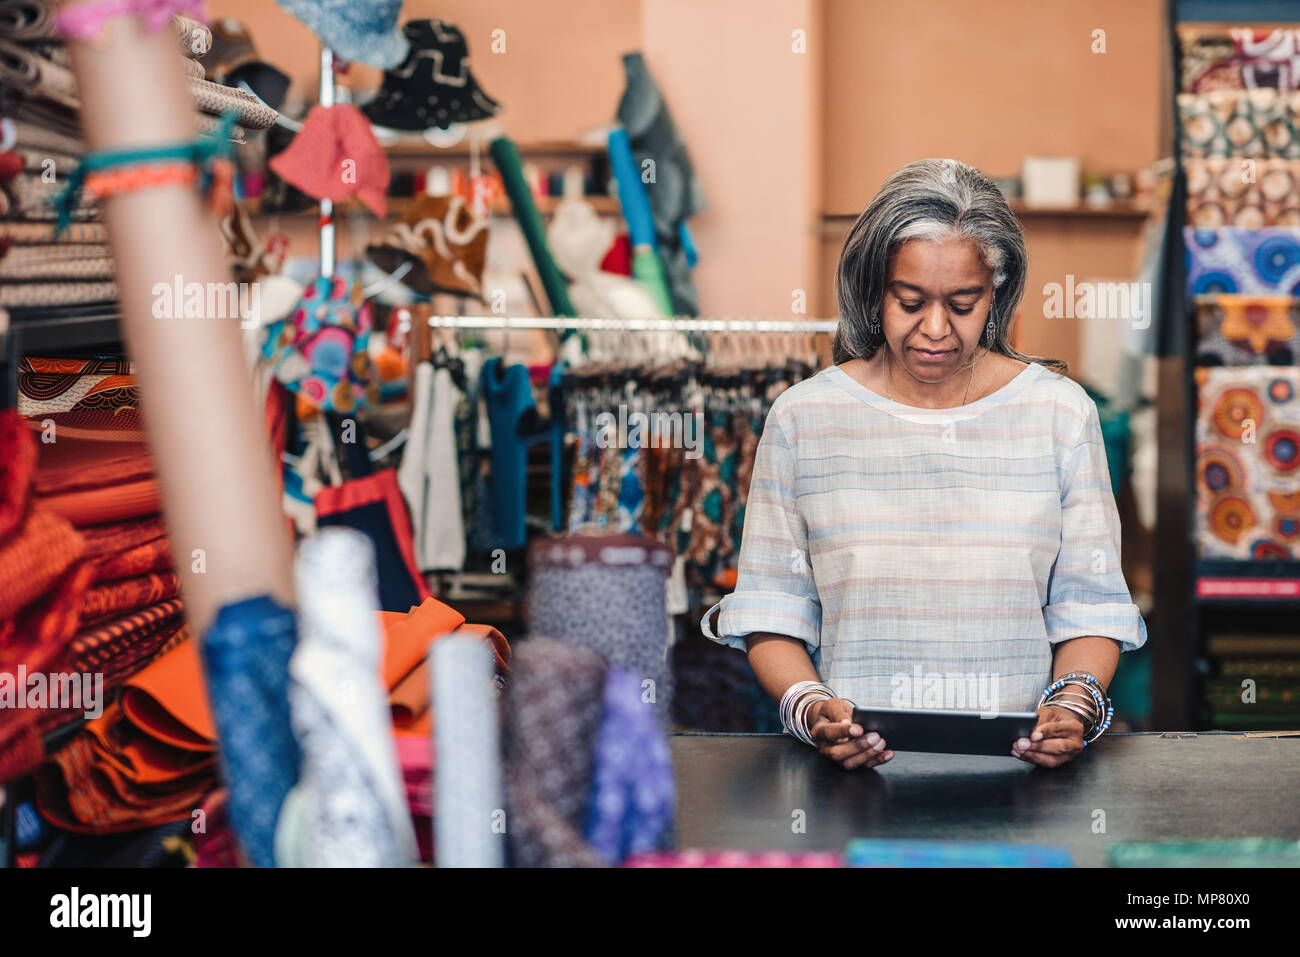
x=246, y=656
x=469, y=804
x=349, y=809
x=607, y=593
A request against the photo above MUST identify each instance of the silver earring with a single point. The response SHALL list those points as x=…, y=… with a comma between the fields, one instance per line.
x=873, y=325
x=990, y=328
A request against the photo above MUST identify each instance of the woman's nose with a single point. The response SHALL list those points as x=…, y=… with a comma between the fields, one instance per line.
x=935, y=324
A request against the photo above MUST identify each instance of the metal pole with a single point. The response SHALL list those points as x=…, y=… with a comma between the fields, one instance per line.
x=326, y=205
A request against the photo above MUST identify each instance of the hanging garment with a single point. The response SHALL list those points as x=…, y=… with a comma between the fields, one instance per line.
x=444, y=242
x=348, y=808
x=509, y=398
x=433, y=86
x=442, y=538
x=335, y=156
x=373, y=505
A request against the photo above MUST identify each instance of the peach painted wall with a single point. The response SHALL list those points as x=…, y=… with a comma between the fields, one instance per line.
x=560, y=75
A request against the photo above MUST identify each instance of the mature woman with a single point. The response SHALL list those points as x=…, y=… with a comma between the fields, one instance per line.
x=930, y=520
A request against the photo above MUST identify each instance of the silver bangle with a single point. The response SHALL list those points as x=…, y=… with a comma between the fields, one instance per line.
x=796, y=702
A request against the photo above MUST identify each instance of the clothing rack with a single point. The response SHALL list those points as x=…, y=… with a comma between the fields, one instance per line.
x=634, y=325
x=326, y=205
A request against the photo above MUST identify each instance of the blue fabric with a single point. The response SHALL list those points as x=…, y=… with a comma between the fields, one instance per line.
x=632, y=795
x=246, y=656
x=29, y=827
x=363, y=32
x=555, y=399
x=863, y=852
x=509, y=397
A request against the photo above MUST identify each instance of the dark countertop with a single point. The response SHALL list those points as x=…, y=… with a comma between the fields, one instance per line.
x=741, y=791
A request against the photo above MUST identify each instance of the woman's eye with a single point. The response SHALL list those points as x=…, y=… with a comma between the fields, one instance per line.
x=912, y=306
x=962, y=310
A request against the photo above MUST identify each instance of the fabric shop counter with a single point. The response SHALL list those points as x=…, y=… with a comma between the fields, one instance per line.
x=740, y=791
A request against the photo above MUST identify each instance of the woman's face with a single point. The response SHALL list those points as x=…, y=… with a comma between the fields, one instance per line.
x=937, y=297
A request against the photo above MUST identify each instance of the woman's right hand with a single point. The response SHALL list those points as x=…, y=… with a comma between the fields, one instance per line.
x=831, y=724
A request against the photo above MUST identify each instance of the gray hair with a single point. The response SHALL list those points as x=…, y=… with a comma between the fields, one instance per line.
x=930, y=199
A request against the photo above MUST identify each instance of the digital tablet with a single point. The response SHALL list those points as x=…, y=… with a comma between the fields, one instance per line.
x=946, y=732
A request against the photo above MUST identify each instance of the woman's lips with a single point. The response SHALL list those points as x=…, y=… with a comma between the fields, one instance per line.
x=928, y=356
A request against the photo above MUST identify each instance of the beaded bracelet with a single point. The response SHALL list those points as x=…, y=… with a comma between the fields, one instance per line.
x=207, y=156
x=1089, y=682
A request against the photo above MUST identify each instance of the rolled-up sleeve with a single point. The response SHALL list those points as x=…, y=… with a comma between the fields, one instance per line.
x=1086, y=592
x=775, y=589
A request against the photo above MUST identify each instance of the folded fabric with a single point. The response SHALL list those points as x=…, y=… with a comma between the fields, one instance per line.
x=246, y=653
x=105, y=600
x=348, y=809
x=17, y=470
x=1240, y=330
x=335, y=156
x=1254, y=261
x=113, y=538
x=94, y=473
x=551, y=716
x=630, y=810
x=1243, y=58
x=32, y=559
x=18, y=295
x=1256, y=123
x=1227, y=191
x=1225, y=852
x=24, y=70
x=1248, y=462
x=152, y=556
x=112, y=503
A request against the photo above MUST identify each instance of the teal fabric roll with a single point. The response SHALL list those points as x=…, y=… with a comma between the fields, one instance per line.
x=506, y=157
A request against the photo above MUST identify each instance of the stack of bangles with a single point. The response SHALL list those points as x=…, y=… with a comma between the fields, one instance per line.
x=1094, y=707
x=795, y=704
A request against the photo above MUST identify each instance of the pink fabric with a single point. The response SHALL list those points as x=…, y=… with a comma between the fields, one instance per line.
x=84, y=21
x=693, y=858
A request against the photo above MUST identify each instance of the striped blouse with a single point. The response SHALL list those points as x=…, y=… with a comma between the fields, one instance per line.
x=931, y=557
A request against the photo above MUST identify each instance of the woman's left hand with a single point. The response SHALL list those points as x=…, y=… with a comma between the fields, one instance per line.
x=1057, y=738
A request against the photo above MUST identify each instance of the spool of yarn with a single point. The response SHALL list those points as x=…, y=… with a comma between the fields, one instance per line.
x=467, y=765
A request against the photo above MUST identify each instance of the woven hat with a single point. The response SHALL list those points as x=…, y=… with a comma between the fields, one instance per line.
x=445, y=243
x=360, y=32
x=433, y=87
x=334, y=156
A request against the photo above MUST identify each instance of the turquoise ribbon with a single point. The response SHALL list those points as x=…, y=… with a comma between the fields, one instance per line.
x=201, y=151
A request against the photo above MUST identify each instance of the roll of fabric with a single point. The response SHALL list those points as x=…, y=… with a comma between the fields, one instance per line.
x=863, y=852
x=1219, y=195
x=58, y=268
x=25, y=234
x=35, y=137
x=608, y=594
x=1250, y=261
x=506, y=157
x=552, y=713
x=216, y=100
x=700, y=858
x=1252, y=123
x=25, y=70
x=646, y=266
x=632, y=795
x=1242, y=330
x=1248, y=462
x=194, y=37
x=246, y=654
x=349, y=808
x=469, y=805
